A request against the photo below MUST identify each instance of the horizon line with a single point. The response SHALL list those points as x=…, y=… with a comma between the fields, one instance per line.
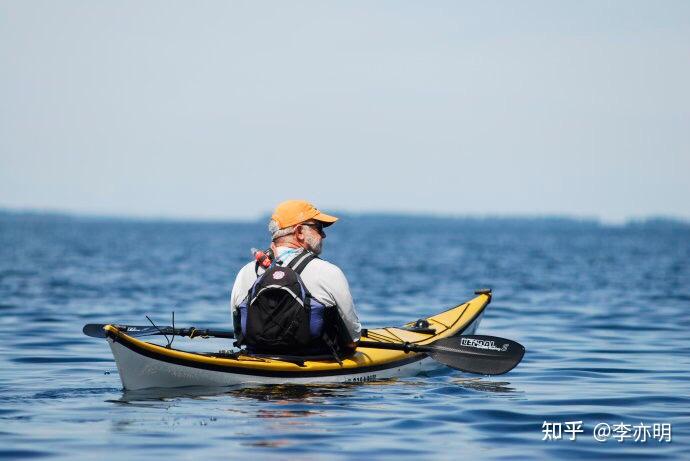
x=65, y=213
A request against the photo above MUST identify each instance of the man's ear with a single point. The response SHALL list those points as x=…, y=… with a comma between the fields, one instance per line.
x=299, y=234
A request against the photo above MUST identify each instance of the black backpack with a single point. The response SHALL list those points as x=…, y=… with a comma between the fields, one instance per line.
x=279, y=314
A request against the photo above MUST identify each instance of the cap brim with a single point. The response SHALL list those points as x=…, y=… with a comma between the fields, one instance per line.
x=326, y=219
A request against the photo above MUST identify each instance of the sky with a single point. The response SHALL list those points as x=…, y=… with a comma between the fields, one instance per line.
x=222, y=109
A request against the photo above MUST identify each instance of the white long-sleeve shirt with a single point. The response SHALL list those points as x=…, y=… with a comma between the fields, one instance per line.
x=325, y=281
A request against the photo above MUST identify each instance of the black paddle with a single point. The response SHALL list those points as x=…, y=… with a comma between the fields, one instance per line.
x=95, y=330
x=484, y=355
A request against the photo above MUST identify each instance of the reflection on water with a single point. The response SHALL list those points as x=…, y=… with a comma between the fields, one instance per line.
x=479, y=384
x=286, y=413
x=263, y=392
x=293, y=392
x=166, y=394
x=269, y=443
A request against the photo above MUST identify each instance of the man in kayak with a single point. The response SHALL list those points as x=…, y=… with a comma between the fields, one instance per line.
x=289, y=300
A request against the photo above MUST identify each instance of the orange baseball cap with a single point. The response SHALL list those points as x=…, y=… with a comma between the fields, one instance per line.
x=293, y=212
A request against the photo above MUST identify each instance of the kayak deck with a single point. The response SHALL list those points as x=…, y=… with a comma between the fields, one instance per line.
x=142, y=364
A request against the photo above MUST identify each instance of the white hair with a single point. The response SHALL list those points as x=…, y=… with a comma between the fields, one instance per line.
x=276, y=231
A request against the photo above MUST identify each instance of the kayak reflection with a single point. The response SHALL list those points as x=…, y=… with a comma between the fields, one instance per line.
x=276, y=393
x=161, y=394
x=479, y=384
x=290, y=393
x=293, y=392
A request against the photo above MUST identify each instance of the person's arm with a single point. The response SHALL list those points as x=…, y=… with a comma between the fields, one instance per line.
x=243, y=282
x=336, y=287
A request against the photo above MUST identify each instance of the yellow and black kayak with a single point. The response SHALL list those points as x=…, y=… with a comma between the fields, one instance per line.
x=144, y=365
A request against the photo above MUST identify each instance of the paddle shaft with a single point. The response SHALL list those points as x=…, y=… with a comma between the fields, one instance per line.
x=409, y=347
x=96, y=330
x=405, y=347
x=193, y=332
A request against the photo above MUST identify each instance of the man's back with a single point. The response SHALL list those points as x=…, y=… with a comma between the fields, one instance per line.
x=324, y=281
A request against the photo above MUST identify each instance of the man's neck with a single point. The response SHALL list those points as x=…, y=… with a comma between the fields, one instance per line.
x=284, y=244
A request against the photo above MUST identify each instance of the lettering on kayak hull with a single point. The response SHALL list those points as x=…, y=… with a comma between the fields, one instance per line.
x=361, y=379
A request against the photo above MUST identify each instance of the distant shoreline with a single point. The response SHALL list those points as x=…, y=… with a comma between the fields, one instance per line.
x=382, y=217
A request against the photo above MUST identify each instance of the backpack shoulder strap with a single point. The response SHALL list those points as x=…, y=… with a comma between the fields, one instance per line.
x=300, y=261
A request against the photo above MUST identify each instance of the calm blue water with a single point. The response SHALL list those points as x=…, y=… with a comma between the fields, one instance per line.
x=604, y=313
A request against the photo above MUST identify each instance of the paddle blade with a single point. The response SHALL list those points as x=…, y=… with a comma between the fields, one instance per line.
x=484, y=355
